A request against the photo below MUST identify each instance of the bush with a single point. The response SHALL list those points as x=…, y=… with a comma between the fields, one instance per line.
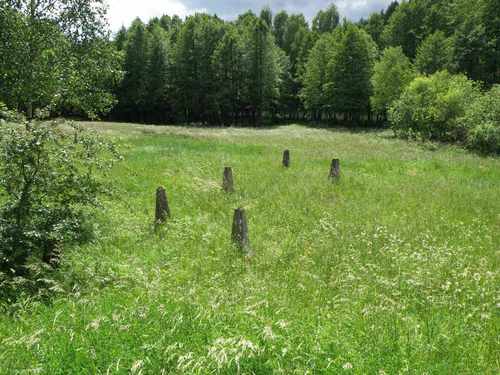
x=485, y=138
x=49, y=176
x=482, y=119
x=7, y=115
x=431, y=107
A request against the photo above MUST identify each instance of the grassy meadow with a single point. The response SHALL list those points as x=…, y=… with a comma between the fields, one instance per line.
x=392, y=270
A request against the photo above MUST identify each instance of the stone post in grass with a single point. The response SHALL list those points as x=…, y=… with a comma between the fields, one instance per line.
x=240, y=231
x=286, y=158
x=335, y=169
x=227, y=181
x=162, y=210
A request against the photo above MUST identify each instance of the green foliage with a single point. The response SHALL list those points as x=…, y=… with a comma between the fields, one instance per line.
x=194, y=79
x=314, y=78
x=297, y=42
x=280, y=23
x=326, y=20
x=432, y=106
x=490, y=18
x=264, y=69
x=485, y=138
x=7, y=115
x=435, y=53
x=48, y=177
x=229, y=67
x=482, y=120
x=348, y=86
x=134, y=85
x=454, y=35
x=375, y=27
x=159, y=69
x=405, y=27
x=49, y=51
x=91, y=72
x=267, y=16
x=391, y=75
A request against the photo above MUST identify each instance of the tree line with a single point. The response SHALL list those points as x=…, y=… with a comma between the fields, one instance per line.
x=257, y=68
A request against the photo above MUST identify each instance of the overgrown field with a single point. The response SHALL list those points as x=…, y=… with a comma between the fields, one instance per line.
x=395, y=269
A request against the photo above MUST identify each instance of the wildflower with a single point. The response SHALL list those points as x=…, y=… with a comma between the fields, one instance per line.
x=347, y=366
x=137, y=366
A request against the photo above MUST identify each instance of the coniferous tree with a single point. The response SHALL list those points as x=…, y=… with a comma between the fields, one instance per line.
x=195, y=81
x=280, y=23
x=132, y=93
x=228, y=62
x=375, y=27
x=405, y=27
x=390, y=10
x=158, y=100
x=121, y=39
x=435, y=53
x=267, y=16
x=348, y=86
x=326, y=20
x=490, y=18
x=263, y=70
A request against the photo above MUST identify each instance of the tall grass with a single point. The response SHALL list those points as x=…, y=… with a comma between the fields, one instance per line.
x=394, y=269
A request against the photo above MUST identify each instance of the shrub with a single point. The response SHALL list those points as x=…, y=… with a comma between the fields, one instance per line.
x=49, y=176
x=485, y=138
x=7, y=115
x=482, y=119
x=431, y=107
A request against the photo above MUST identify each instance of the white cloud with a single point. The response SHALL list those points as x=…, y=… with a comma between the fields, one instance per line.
x=123, y=12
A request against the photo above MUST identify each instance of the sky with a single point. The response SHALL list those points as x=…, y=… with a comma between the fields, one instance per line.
x=123, y=12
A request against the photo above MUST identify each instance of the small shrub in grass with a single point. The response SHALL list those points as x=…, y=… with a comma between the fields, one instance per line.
x=50, y=176
x=7, y=115
x=485, y=138
x=432, y=106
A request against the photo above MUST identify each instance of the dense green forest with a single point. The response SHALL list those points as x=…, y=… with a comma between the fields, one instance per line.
x=266, y=67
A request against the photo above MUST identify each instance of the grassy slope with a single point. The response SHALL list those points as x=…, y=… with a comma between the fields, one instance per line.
x=393, y=270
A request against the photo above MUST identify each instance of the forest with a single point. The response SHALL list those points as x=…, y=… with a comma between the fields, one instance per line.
x=427, y=68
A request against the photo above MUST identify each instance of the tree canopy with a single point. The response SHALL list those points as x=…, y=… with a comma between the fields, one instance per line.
x=57, y=55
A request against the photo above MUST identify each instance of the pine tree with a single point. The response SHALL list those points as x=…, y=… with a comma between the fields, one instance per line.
x=263, y=69
x=279, y=28
x=314, y=77
x=348, y=87
x=435, y=53
x=195, y=80
x=326, y=20
x=228, y=65
x=158, y=77
x=132, y=93
x=267, y=16
x=490, y=18
x=405, y=27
